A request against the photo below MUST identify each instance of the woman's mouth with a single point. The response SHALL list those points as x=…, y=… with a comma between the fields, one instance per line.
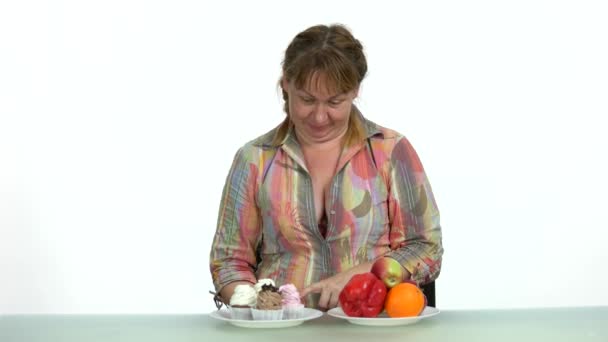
x=318, y=131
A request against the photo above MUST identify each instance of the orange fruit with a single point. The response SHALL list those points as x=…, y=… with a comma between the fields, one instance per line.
x=404, y=300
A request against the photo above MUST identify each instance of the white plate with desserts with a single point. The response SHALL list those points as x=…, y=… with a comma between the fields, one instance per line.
x=383, y=319
x=307, y=314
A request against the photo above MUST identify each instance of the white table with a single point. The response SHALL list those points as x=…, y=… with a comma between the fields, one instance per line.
x=551, y=325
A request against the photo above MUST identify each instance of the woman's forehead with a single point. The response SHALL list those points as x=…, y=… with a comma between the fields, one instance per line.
x=320, y=84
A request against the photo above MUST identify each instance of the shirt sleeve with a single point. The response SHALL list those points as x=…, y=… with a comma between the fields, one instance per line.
x=415, y=233
x=233, y=251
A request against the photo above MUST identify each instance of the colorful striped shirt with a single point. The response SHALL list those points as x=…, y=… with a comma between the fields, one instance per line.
x=380, y=204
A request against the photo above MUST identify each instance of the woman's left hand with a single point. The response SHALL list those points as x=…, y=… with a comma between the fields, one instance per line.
x=331, y=287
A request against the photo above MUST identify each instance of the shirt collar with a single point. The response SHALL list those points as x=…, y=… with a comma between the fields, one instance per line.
x=291, y=146
x=370, y=129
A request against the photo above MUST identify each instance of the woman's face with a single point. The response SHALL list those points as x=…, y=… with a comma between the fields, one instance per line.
x=318, y=115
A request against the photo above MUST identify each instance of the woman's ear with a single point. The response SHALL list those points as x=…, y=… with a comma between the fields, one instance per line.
x=284, y=83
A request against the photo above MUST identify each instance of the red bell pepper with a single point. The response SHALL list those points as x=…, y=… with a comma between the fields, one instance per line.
x=363, y=296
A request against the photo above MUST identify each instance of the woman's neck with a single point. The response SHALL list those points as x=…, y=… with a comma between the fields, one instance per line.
x=320, y=146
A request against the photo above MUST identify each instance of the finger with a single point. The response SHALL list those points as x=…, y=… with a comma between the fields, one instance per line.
x=333, y=302
x=314, y=288
x=324, y=299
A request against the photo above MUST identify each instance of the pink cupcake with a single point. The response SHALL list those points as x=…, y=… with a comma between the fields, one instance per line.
x=292, y=306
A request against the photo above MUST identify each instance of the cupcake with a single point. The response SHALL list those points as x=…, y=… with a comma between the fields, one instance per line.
x=243, y=299
x=292, y=306
x=269, y=304
x=262, y=282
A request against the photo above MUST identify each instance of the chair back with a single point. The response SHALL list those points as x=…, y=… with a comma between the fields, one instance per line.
x=429, y=292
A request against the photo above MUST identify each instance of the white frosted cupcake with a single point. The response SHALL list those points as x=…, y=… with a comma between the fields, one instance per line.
x=243, y=299
x=262, y=282
x=268, y=306
x=292, y=305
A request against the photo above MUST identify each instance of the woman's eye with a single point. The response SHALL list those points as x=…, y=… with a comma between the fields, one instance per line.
x=308, y=100
x=335, y=103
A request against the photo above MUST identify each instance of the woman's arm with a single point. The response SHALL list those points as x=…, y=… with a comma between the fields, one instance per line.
x=415, y=232
x=233, y=258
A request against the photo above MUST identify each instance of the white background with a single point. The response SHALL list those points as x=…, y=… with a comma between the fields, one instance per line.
x=119, y=120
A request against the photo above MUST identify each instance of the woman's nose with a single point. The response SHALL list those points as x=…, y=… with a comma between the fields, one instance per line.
x=320, y=112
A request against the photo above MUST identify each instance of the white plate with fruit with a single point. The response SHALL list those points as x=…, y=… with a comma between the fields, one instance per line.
x=383, y=319
x=382, y=297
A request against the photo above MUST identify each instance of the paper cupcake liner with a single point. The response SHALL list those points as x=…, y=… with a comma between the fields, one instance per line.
x=240, y=313
x=267, y=315
x=293, y=311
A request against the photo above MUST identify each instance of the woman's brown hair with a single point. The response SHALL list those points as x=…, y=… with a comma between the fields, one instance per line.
x=333, y=52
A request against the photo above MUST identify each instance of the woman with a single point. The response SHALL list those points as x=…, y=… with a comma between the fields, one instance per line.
x=327, y=192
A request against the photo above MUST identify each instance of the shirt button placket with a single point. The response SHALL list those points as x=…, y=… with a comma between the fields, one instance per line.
x=331, y=223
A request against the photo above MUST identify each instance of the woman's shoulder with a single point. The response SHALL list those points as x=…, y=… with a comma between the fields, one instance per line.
x=264, y=141
x=384, y=136
x=389, y=145
x=263, y=144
